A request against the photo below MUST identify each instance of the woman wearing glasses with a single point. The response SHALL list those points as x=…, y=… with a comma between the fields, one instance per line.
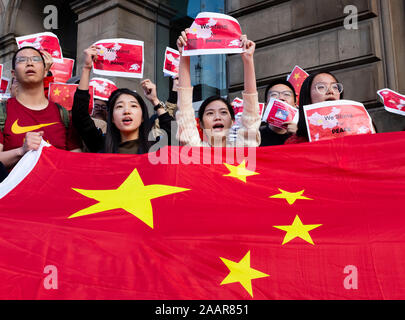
x=318, y=87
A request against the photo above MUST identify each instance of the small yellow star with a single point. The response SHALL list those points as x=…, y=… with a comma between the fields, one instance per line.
x=297, y=76
x=56, y=92
x=242, y=272
x=239, y=172
x=297, y=229
x=291, y=197
x=132, y=196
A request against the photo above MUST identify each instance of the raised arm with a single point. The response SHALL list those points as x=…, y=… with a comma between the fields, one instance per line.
x=187, y=132
x=248, y=134
x=91, y=135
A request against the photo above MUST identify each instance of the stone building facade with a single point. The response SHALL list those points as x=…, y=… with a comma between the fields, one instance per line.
x=309, y=33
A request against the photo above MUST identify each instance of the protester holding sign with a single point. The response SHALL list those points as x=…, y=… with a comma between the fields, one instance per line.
x=272, y=135
x=318, y=87
x=30, y=116
x=127, y=119
x=216, y=115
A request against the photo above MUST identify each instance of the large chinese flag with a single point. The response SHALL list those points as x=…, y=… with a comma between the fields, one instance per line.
x=322, y=220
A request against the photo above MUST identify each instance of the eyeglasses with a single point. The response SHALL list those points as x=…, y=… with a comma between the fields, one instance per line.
x=277, y=94
x=23, y=59
x=100, y=106
x=323, y=88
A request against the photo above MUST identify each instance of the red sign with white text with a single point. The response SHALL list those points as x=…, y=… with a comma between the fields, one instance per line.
x=171, y=63
x=63, y=94
x=102, y=88
x=278, y=112
x=333, y=119
x=393, y=101
x=120, y=58
x=62, y=72
x=46, y=41
x=213, y=33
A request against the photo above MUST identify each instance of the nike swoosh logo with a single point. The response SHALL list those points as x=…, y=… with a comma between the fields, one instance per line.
x=16, y=129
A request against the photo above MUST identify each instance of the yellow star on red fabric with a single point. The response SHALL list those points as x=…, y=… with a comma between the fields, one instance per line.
x=239, y=172
x=291, y=197
x=242, y=272
x=297, y=76
x=298, y=230
x=56, y=92
x=132, y=196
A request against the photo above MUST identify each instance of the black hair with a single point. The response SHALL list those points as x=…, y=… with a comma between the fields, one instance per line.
x=113, y=136
x=305, y=99
x=276, y=82
x=23, y=48
x=211, y=99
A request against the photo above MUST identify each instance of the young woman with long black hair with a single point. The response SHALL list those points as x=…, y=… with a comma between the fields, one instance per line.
x=128, y=124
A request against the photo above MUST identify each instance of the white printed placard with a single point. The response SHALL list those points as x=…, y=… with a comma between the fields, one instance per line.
x=333, y=119
x=213, y=33
x=46, y=41
x=171, y=63
x=119, y=58
x=278, y=112
x=393, y=101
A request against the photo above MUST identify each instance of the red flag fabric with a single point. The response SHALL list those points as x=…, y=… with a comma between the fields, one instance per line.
x=47, y=41
x=1, y=70
x=393, y=101
x=297, y=78
x=120, y=57
x=319, y=220
x=213, y=33
x=62, y=72
x=63, y=94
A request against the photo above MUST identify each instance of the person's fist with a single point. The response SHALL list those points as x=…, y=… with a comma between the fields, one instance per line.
x=149, y=89
x=290, y=127
x=90, y=56
x=182, y=41
x=32, y=141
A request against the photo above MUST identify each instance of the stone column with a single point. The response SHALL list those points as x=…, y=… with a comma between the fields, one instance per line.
x=132, y=19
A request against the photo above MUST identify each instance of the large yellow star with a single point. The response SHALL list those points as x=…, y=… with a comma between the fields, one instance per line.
x=56, y=92
x=132, y=196
x=242, y=272
x=296, y=76
x=239, y=172
x=291, y=197
x=297, y=229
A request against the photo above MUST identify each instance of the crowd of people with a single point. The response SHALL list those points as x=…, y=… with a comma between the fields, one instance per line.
x=123, y=125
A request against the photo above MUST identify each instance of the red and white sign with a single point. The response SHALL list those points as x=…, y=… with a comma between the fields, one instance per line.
x=237, y=105
x=63, y=94
x=279, y=112
x=333, y=119
x=213, y=33
x=102, y=88
x=297, y=78
x=62, y=72
x=120, y=58
x=46, y=41
x=171, y=63
x=4, y=84
x=393, y=101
